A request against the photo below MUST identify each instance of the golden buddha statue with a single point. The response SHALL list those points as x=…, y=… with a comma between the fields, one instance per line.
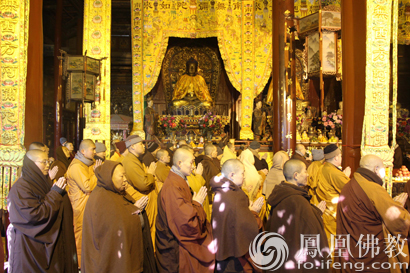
x=191, y=88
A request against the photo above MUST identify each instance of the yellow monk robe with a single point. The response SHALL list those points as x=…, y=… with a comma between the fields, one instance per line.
x=192, y=85
x=161, y=173
x=313, y=171
x=196, y=182
x=117, y=157
x=331, y=181
x=141, y=183
x=227, y=154
x=81, y=181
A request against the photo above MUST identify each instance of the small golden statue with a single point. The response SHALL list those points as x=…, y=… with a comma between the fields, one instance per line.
x=191, y=88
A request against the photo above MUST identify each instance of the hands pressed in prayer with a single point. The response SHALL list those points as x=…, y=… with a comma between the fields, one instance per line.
x=141, y=203
x=265, y=156
x=152, y=168
x=52, y=173
x=97, y=164
x=200, y=196
x=401, y=198
x=199, y=169
x=347, y=171
x=265, y=171
x=257, y=205
x=61, y=183
x=321, y=206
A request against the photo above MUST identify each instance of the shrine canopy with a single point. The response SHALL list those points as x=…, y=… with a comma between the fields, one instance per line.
x=243, y=29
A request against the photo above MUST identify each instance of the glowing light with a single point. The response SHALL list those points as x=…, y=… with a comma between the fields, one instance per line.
x=290, y=219
x=335, y=200
x=225, y=185
x=212, y=267
x=213, y=246
x=317, y=263
x=280, y=213
x=290, y=265
x=222, y=207
x=392, y=213
x=341, y=198
x=119, y=233
x=225, y=189
x=218, y=178
x=217, y=197
x=119, y=254
x=301, y=255
x=121, y=245
x=214, y=224
x=281, y=230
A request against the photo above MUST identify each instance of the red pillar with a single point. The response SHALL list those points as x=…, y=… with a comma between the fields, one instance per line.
x=34, y=85
x=57, y=78
x=354, y=85
x=283, y=126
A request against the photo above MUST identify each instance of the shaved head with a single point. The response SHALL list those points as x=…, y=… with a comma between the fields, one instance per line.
x=301, y=148
x=181, y=155
x=37, y=146
x=209, y=149
x=161, y=153
x=183, y=160
x=182, y=142
x=291, y=167
x=35, y=155
x=370, y=162
x=231, y=165
x=86, y=143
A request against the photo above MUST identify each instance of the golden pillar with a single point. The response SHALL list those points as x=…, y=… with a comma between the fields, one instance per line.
x=97, y=44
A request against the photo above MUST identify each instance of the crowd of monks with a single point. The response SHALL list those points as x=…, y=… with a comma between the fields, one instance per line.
x=171, y=208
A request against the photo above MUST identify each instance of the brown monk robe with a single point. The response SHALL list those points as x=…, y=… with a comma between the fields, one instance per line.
x=113, y=234
x=62, y=162
x=183, y=235
x=292, y=216
x=300, y=152
x=41, y=221
x=141, y=180
x=210, y=168
x=235, y=224
x=366, y=209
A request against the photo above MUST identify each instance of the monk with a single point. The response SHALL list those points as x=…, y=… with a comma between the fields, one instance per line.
x=313, y=170
x=41, y=221
x=184, y=236
x=330, y=183
x=293, y=217
x=149, y=155
x=100, y=151
x=196, y=181
x=141, y=180
x=300, y=153
x=210, y=168
x=116, y=235
x=120, y=152
x=235, y=220
x=275, y=175
x=62, y=162
x=42, y=147
x=162, y=170
x=229, y=152
x=81, y=181
x=371, y=216
x=260, y=162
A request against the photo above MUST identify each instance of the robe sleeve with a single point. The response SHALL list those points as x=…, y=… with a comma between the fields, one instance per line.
x=162, y=173
x=186, y=219
x=339, y=181
x=85, y=181
x=34, y=216
x=132, y=193
x=140, y=180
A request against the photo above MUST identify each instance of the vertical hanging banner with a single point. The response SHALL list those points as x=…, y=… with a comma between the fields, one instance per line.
x=248, y=69
x=376, y=119
x=243, y=30
x=97, y=44
x=14, y=22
